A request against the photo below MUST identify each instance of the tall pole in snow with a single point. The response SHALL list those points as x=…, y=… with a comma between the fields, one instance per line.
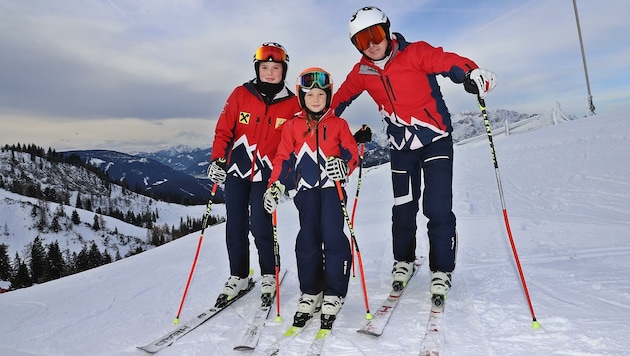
x=590, y=108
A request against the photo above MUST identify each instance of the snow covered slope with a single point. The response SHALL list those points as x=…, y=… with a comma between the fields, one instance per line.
x=567, y=192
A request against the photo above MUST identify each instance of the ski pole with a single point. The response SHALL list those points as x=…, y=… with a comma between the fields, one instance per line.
x=482, y=107
x=276, y=252
x=368, y=315
x=356, y=199
x=192, y=269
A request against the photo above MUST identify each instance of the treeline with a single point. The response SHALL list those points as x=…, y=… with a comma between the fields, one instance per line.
x=47, y=262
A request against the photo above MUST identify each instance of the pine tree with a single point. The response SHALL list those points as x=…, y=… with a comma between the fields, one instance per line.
x=5, y=263
x=107, y=257
x=95, y=257
x=96, y=226
x=55, y=264
x=54, y=225
x=82, y=261
x=76, y=219
x=38, y=260
x=21, y=278
x=78, y=204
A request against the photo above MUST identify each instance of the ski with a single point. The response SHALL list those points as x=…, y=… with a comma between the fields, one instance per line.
x=317, y=346
x=190, y=325
x=252, y=334
x=377, y=324
x=434, y=339
x=285, y=339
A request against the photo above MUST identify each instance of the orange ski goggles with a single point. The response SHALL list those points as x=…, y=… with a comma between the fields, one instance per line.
x=270, y=53
x=373, y=34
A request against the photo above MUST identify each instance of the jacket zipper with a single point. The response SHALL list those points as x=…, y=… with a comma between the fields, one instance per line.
x=255, y=154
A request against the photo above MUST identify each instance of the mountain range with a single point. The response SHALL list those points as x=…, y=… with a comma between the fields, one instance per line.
x=179, y=173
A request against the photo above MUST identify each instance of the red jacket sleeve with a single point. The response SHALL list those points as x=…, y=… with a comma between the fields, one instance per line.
x=349, y=146
x=224, y=131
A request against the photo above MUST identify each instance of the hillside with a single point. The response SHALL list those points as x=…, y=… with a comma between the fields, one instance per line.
x=58, y=202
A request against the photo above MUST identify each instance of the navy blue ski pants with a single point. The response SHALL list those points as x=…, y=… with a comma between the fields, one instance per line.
x=322, y=249
x=434, y=163
x=245, y=213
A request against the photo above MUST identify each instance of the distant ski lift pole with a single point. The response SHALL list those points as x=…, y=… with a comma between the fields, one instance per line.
x=590, y=109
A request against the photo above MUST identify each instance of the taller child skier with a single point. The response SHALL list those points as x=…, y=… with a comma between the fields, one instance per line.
x=245, y=142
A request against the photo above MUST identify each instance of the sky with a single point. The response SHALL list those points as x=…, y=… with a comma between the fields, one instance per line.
x=569, y=215
x=145, y=75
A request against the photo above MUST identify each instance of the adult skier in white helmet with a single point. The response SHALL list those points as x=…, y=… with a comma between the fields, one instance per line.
x=401, y=77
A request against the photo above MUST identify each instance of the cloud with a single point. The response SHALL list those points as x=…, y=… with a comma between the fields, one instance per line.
x=114, y=61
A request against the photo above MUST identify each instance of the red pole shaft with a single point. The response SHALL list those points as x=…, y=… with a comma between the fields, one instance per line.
x=192, y=269
x=484, y=113
x=356, y=245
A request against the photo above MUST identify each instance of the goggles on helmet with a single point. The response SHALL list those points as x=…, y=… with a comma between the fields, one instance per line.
x=320, y=79
x=373, y=34
x=270, y=53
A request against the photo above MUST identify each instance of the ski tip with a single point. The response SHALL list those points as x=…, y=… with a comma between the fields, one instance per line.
x=243, y=348
x=322, y=333
x=145, y=349
x=293, y=330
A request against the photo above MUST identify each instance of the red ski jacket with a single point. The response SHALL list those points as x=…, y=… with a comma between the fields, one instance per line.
x=306, y=152
x=248, y=131
x=406, y=91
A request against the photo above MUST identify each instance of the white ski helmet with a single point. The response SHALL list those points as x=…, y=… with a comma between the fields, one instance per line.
x=367, y=17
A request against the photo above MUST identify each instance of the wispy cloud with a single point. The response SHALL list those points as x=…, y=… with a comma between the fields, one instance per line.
x=104, y=62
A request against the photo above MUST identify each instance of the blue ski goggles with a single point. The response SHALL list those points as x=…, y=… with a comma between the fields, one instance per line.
x=321, y=79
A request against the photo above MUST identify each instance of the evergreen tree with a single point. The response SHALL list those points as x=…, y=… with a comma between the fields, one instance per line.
x=38, y=260
x=95, y=257
x=88, y=204
x=5, y=263
x=107, y=258
x=54, y=225
x=78, y=204
x=55, y=264
x=96, y=226
x=21, y=278
x=76, y=219
x=82, y=261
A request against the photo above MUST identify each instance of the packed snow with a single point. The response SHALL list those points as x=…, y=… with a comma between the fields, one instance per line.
x=567, y=194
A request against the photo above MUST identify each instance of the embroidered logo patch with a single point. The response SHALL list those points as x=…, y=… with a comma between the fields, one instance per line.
x=280, y=121
x=244, y=118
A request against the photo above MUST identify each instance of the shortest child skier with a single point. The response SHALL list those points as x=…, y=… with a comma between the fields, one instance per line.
x=321, y=150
